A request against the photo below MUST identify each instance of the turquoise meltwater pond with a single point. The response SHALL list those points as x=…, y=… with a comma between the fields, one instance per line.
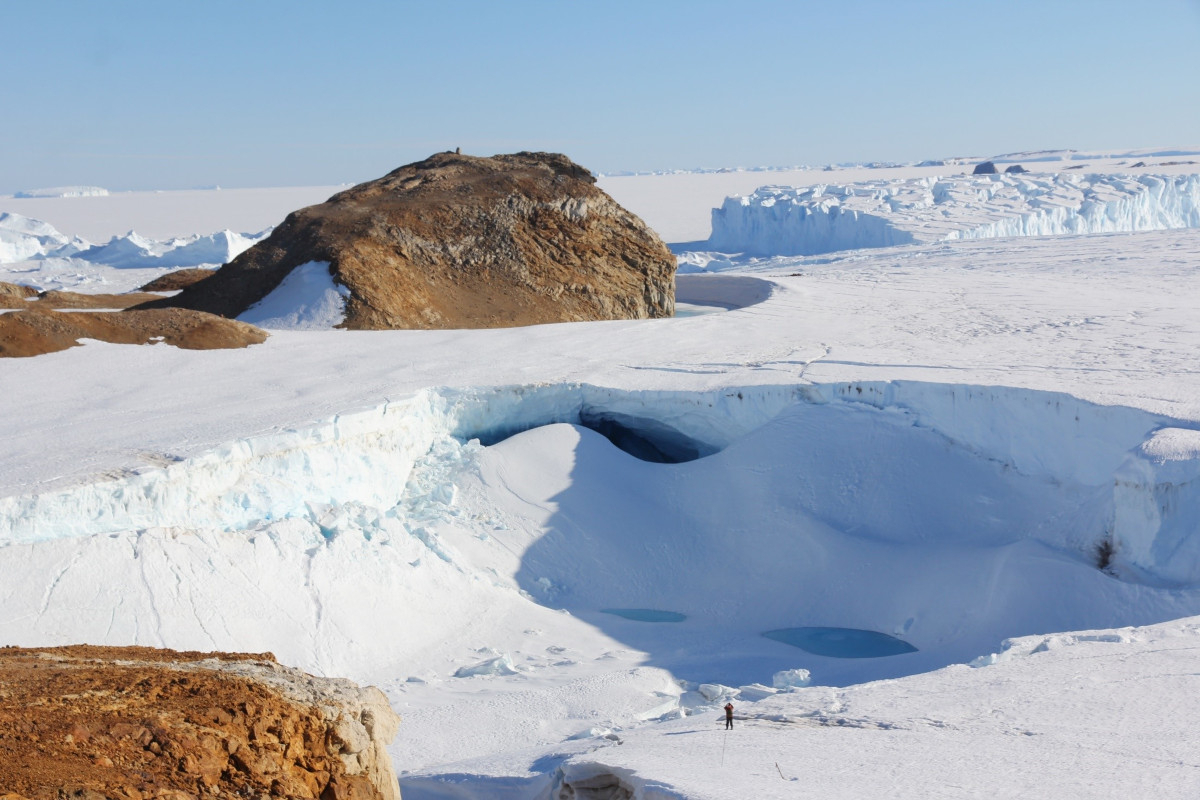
x=842, y=642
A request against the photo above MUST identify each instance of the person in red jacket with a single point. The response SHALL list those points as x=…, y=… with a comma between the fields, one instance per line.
x=728, y=716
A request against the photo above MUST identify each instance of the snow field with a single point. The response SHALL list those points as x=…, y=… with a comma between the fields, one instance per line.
x=1038, y=724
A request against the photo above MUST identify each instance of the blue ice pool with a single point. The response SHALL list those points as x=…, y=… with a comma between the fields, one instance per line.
x=842, y=642
x=645, y=614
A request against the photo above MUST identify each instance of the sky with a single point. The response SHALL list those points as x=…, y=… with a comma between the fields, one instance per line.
x=133, y=94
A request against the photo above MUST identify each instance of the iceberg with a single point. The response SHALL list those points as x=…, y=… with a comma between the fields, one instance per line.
x=786, y=221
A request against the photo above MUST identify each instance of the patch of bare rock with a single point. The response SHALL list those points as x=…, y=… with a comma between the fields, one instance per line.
x=133, y=723
x=179, y=279
x=457, y=241
x=59, y=300
x=14, y=295
x=36, y=331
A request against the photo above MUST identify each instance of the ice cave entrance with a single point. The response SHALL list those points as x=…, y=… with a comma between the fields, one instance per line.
x=842, y=642
x=645, y=614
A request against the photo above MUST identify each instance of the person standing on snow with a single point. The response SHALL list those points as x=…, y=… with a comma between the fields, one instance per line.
x=728, y=716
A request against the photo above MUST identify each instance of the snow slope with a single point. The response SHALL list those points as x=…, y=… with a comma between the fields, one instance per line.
x=308, y=299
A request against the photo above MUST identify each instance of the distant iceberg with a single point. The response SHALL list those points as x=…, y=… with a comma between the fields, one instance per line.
x=64, y=191
x=787, y=221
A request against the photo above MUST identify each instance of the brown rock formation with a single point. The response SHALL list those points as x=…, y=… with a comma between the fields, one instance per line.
x=35, y=331
x=14, y=295
x=457, y=241
x=58, y=300
x=179, y=279
x=133, y=723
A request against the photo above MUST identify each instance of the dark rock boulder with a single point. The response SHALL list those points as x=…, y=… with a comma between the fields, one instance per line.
x=457, y=241
x=1015, y=169
x=986, y=168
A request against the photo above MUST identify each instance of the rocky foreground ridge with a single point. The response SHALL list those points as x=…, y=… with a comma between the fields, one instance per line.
x=458, y=241
x=133, y=723
x=46, y=322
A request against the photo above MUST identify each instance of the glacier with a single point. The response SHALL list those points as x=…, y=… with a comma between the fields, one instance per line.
x=780, y=220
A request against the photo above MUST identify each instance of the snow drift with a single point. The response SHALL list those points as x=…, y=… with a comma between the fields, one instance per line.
x=777, y=220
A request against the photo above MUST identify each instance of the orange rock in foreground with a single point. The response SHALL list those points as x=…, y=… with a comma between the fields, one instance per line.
x=132, y=723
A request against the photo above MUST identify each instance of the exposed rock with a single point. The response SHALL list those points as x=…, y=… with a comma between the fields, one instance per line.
x=985, y=168
x=1015, y=169
x=36, y=331
x=457, y=241
x=60, y=299
x=1138, y=164
x=102, y=723
x=179, y=279
x=14, y=295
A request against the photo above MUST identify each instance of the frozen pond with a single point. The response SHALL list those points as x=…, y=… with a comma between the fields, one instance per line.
x=842, y=642
x=696, y=309
x=645, y=614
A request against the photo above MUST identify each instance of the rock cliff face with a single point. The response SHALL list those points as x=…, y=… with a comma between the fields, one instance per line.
x=457, y=241
x=132, y=723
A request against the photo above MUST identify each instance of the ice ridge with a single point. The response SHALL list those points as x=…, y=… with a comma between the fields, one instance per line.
x=780, y=220
x=1136, y=475
x=361, y=458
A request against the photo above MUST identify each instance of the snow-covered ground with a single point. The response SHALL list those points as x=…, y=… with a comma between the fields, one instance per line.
x=949, y=443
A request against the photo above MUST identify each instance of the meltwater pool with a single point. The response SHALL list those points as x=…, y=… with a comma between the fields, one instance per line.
x=842, y=642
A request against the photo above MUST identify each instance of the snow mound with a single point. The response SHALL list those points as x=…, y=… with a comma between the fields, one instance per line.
x=791, y=679
x=713, y=692
x=215, y=248
x=130, y=251
x=308, y=299
x=22, y=238
x=64, y=191
x=780, y=220
x=500, y=664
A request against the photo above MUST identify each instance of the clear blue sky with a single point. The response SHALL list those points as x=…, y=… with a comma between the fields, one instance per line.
x=174, y=93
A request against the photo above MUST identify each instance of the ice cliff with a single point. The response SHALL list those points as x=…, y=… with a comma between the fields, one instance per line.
x=871, y=501
x=779, y=220
x=1136, y=476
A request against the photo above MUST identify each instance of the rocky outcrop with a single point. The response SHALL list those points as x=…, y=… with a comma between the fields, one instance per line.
x=457, y=241
x=179, y=279
x=984, y=168
x=14, y=295
x=136, y=723
x=36, y=331
x=58, y=300
x=1015, y=169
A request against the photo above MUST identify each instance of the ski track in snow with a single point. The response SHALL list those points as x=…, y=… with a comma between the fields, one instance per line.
x=930, y=441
